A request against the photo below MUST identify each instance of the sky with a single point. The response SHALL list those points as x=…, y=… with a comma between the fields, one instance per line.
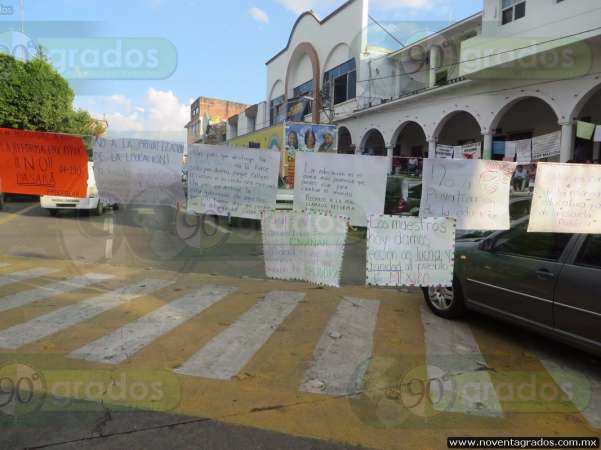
x=215, y=48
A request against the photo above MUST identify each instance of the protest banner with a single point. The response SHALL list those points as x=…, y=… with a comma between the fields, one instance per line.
x=567, y=199
x=475, y=192
x=140, y=172
x=597, y=136
x=352, y=186
x=34, y=163
x=523, y=151
x=410, y=251
x=469, y=151
x=546, y=146
x=445, y=151
x=511, y=149
x=224, y=181
x=305, y=247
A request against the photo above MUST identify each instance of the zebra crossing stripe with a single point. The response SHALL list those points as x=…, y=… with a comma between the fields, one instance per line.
x=344, y=349
x=16, y=277
x=130, y=339
x=454, y=360
x=226, y=354
x=43, y=326
x=61, y=287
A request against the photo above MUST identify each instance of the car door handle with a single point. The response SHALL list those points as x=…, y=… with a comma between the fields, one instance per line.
x=545, y=274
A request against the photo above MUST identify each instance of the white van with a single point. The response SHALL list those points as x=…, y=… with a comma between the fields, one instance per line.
x=90, y=203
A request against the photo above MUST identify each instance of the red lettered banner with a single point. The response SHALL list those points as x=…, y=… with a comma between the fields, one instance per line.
x=34, y=163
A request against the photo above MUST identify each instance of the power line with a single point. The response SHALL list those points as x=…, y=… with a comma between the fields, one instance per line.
x=386, y=31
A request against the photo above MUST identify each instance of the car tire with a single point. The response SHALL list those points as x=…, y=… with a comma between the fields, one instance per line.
x=447, y=303
x=99, y=210
x=53, y=212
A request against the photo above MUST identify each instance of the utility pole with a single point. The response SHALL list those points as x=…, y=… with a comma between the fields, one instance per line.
x=22, y=10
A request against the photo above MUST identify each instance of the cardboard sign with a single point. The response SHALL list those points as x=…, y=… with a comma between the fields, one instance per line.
x=140, y=172
x=410, y=251
x=546, y=146
x=475, y=192
x=306, y=247
x=567, y=199
x=352, y=186
x=232, y=182
x=33, y=163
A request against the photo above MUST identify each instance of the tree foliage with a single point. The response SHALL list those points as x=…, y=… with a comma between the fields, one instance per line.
x=34, y=96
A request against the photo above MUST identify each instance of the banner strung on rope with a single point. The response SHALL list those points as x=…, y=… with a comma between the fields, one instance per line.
x=34, y=163
x=140, y=172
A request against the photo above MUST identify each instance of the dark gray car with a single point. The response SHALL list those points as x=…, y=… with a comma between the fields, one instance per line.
x=547, y=282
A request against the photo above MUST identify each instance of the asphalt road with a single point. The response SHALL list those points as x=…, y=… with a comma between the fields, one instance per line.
x=355, y=367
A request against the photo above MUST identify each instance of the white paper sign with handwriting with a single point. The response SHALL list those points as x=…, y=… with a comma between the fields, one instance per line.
x=232, y=182
x=352, y=186
x=306, y=247
x=138, y=171
x=567, y=199
x=475, y=192
x=410, y=251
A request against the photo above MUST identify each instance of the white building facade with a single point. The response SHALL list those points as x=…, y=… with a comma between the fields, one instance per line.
x=518, y=70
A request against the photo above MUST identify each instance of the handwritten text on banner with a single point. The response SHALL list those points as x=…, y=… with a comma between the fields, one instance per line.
x=34, y=163
x=567, y=199
x=138, y=171
x=352, y=186
x=232, y=182
x=475, y=192
x=409, y=251
x=306, y=247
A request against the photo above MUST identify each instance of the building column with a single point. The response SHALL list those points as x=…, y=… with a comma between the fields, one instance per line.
x=487, y=146
x=568, y=139
x=397, y=81
x=434, y=64
x=432, y=149
x=390, y=155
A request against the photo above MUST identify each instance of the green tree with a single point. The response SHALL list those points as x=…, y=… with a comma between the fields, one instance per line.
x=34, y=96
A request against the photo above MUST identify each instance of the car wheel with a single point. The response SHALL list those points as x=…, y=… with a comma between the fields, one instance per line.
x=99, y=210
x=446, y=302
x=53, y=212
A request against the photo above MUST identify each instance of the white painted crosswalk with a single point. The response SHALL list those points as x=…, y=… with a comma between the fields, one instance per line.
x=16, y=277
x=344, y=349
x=124, y=342
x=41, y=327
x=225, y=355
x=24, y=298
x=454, y=358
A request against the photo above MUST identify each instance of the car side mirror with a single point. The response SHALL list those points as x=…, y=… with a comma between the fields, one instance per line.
x=487, y=245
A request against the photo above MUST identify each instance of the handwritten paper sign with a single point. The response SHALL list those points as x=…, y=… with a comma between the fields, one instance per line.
x=567, y=199
x=33, y=163
x=351, y=186
x=523, y=150
x=597, y=136
x=138, y=171
x=232, y=182
x=306, y=247
x=585, y=130
x=409, y=251
x=445, y=151
x=468, y=151
x=546, y=146
x=474, y=192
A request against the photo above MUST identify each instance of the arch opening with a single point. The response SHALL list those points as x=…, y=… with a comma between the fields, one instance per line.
x=409, y=146
x=345, y=141
x=374, y=144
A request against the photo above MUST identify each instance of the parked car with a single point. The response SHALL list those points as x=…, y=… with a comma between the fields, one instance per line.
x=91, y=202
x=546, y=282
x=519, y=207
x=1, y=201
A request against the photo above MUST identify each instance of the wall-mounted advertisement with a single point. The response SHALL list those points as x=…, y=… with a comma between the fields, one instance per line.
x=308, y=137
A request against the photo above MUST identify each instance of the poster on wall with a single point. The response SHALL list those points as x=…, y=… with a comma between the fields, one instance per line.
x=33, y=163
x=229, y=182
x=140, y=172
x=307, y=137
x=475, y=192
x=546, y=146
x=305, y=247
x=410, y=251
x=567, y=199
x=353, y=186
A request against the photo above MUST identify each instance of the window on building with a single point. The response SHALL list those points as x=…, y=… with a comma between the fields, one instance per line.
x=277, y=111
x=305, y=90
x=512, y=10
x=340, y=83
